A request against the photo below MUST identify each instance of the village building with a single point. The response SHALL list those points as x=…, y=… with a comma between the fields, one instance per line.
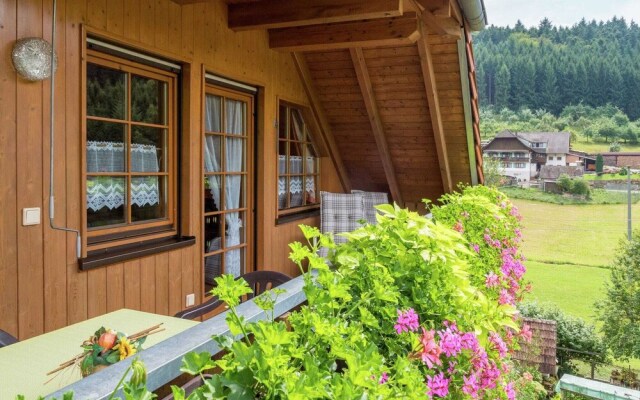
x=523, y=154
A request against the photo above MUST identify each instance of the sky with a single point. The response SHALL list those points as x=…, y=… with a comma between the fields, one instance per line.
x=560, y=12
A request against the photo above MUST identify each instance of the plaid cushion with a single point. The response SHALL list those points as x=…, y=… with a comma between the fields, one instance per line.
x=340, y=213
x=369, y=201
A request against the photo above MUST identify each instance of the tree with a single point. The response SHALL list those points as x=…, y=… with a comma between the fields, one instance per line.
x=502, y=87
x=619, y=312
x=599, y=164
x=493, y=171
x=614, y=146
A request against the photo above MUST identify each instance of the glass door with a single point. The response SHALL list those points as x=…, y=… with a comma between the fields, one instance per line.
x=228, y=134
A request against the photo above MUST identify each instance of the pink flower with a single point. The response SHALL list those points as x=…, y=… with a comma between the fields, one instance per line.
x=510, y=391
x=505, y=297
x=470, y=386
x=527, y=376
x=383, y=378
x=526, y=334
x=430, y=353
x=450, y=341
x=438, y=385
x=476, y=248
x=492, y=280
x=458, y=227
x=407, y=321
x=498, y=344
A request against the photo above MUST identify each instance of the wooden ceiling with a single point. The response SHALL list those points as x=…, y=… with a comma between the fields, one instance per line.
x=384, y=82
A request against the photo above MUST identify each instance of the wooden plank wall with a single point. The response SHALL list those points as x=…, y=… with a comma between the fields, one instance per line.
x=41, y=288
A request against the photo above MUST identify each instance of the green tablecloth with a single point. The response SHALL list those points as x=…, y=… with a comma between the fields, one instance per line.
x=24, y=365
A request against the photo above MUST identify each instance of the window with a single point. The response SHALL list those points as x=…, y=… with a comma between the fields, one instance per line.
x=550, y=158
x=130, y=172
x=227, y=149
x=558, y=158
x=298, y=162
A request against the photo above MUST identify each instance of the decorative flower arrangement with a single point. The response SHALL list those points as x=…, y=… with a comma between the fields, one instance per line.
x=106, y=347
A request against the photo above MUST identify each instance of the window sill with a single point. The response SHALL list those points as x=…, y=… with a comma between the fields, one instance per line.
x=113, y=255
x=286, y=218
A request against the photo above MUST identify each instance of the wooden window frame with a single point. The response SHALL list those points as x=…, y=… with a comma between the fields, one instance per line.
x=304, y=210
x=249, y=176
x=133, y=232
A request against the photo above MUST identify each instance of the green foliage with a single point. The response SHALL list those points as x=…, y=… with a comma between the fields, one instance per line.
x=341, y=343
x=493, y=172
x=564, y=182
x=550, y=67
x=619, y=312
x=572, y=333
x=615, y=146
x=599, y=164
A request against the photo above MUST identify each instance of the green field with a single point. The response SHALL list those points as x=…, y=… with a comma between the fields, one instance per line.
x=609, y=177
x=598, y=196
x=573, y=288
x=573, y=234
x=568, y=248
x=600, y=147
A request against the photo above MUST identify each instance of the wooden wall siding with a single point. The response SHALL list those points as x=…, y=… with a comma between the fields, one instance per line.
x=41, y=288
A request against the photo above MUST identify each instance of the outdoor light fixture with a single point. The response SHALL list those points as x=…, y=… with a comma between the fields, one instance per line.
x=32, y=58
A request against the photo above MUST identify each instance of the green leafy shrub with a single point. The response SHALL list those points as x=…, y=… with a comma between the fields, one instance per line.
x=565, y=184
x=400, y=313
x=619, y=312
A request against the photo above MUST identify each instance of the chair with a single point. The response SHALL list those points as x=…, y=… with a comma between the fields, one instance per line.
x=369, y=202
x=201, y=309
x=190, y=386
x=258, y=281
x=6, y=339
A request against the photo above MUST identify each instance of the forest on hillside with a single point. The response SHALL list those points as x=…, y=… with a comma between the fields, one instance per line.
x=548, y=68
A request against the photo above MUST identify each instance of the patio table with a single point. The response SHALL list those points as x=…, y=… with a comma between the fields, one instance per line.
x=24, y=365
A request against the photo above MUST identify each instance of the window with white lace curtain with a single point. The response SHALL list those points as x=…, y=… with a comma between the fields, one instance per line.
x=227, y=149
x=129, y=146
x=298, y=162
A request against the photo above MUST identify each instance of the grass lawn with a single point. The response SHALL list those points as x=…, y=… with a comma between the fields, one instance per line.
x=573, y=288
x=598, y=196
x=609, y=177
x=600, y=147
x=567, y=247
x=573, y=234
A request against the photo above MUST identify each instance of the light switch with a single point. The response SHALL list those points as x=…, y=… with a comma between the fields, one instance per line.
x=31, y=216
x=191, y=299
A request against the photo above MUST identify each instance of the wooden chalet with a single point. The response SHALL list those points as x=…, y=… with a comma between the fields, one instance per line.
x=193, y=136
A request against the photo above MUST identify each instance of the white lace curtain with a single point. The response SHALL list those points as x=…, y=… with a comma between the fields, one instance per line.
x=109, y=192
x=234, y=162
x=295, y=189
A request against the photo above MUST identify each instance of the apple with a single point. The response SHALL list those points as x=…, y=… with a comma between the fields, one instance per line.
x=107, y=340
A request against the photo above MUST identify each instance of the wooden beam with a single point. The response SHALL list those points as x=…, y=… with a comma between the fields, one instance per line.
x=426, y=64
x=440, y=19
x=316, y=108
x=285, y=13
x=380, y=32
x=182, y=2
x=359, y=63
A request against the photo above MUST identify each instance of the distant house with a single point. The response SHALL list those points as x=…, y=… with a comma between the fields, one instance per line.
x=524, y=153
x=582, y=159
x=622, y=159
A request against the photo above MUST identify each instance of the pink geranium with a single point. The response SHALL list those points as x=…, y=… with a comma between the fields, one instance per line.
x=430, y=353
x=407, y=321
x=438, y=385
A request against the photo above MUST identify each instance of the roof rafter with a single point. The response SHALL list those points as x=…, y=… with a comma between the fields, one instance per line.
x=378, y=32
x=428, y=75
x=283, y=14
x=362, y=73
x=323, y=123
x=442, y=20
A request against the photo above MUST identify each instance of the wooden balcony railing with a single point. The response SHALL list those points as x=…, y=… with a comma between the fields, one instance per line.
x=163, y=361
